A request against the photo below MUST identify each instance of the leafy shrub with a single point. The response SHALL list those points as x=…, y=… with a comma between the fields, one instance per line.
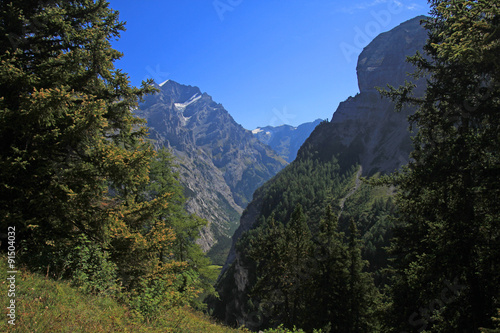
x=92, y=270
x=155, y=295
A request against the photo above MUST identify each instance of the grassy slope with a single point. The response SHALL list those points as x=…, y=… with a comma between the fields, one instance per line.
x=44, y=305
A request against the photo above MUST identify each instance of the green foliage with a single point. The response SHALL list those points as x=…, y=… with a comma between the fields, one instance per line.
x=328, y=304
x=186, y=226
x=271, y=288
x=92, y=268
x=311, y=282
x=309, y=181
x=283, y=281
x=78, y=180
x=361, y=292
x=219, y=252
x=72, y=152
x=301, y=270
x=375, y=213
x=155, y=296
x=448, y=194
x=45, y=305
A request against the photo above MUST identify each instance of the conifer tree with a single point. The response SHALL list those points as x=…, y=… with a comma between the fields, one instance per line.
x=73, y=157
x=283, y=257
x=328, y=299
x=267, y=250
x=447, y=250
x=164, y=181
x=297, y=278
x=361, y=292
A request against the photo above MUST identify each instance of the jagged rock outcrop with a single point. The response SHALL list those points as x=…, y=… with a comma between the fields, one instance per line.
x=220, y=163
x=286, y=140
x=364, y=130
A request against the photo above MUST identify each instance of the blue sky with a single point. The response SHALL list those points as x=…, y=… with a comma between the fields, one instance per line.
x=268, y=62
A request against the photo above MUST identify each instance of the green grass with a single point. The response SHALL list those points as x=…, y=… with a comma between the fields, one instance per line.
x=45, y=305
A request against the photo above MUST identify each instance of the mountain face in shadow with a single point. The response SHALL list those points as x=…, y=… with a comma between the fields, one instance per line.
x=365, y=129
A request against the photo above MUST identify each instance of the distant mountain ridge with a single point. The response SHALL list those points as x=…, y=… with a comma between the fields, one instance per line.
x=286, y=140
x=221, y=163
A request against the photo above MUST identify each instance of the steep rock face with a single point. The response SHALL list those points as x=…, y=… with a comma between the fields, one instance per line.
x=364, y=130
x=220, y=163
x=382, y=61
x=286, y=140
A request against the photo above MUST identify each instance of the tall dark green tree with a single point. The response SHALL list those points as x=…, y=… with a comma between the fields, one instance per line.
x=297, y=278
x=447, y=250
x=268, y=250
x=329, y=294
x=283, y=257
x=312, y=284
x=361, y=295
x=164, y=181
x=73, y=158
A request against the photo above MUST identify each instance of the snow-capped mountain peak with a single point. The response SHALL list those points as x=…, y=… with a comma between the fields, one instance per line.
x=161, y=84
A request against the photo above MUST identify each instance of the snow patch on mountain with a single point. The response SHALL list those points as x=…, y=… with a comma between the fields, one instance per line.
x=182, y=106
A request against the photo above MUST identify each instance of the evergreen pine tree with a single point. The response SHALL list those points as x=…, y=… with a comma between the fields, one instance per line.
x=328, y=299
x=447, y=250
x=267, y=249
x=283, y=257
x=297, y=278
x=73, y=157
x=361, y=292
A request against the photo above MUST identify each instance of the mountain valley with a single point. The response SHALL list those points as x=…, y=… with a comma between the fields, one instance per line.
x=364, y=137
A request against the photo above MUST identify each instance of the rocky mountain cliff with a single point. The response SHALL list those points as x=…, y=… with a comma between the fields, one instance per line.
x=364, y=130
x=286, y=140
x=220, y=163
